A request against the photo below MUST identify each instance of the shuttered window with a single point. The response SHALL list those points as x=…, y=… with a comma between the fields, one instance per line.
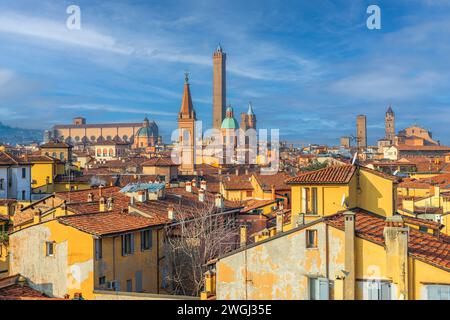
x=127, y=244
x=438, y=292
x=377, y=290
x=319, y=289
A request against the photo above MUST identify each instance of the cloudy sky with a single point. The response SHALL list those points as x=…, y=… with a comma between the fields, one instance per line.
x=309, y=67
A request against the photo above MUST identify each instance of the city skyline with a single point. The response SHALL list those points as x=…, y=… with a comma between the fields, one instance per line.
x=322, y=71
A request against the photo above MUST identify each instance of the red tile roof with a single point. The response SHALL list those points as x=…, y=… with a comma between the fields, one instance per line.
x=333, y=175
x=159, y=162
x=422, y=148
x=108, y=223
x=11, y=160
x=12, y=289
x=421, y=245
x=277, y=180
x=234, y=182
x=53, y=144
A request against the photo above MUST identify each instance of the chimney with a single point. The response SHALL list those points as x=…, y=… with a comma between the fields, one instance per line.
x=243, y=236
x=219, y=201
x=189, y=186
x=281, y=206
x=396, y=242
x=246, y=171
x=100, y=187
x=194, y=183
x=201, y=195
x=142, y=195
x=203, y=185
x=349, y=264
x=237, y=171
x=110, y=204
x=272, y=189
x=37, y=217
x=170, y=212
x=102, y=204
x=90, y=197
x=280, y=219
x=132, y=200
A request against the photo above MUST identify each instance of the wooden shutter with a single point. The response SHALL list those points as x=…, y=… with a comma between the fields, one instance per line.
x=123, y=245
x=324, y=289
x=132, y=243
x=303, y=200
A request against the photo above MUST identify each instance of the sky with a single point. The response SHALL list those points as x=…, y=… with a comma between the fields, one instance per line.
x=309, y=67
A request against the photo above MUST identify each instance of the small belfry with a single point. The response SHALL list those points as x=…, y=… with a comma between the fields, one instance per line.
x=390, y=125
x=186, y=128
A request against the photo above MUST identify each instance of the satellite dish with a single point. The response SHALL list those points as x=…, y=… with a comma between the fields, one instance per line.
x=354, y=158
x=343, y=204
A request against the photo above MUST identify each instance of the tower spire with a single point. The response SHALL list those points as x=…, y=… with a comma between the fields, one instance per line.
x=187, y=108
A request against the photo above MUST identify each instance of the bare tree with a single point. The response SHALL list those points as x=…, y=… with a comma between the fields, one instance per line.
x=199, y=234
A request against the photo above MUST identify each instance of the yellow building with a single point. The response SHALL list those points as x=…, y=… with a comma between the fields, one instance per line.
x=365, y=252
x=58, y=150
x=43, y=172
x=81, y=253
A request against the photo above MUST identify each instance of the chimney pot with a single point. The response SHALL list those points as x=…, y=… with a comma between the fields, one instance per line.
x=170, y=212
x=189, y=186
x=201, y=195
x=203, y=185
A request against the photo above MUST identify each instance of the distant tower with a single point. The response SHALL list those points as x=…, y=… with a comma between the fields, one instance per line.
x=251, y=117
x=248, y=120
x=186, y=126
x=219, y=87
x=390, y=125
x=361, y=131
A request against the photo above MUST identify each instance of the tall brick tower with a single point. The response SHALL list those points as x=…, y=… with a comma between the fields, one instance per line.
x=390, y=125
x=219, y=87
x=361, y=131
x=186, y=126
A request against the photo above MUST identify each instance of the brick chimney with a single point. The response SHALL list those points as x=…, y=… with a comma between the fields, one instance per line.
x=349, y=262
x=396, y=242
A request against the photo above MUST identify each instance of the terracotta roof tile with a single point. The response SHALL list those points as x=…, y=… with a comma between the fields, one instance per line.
x=159, y=162
x=333, y=174
x=421, y=245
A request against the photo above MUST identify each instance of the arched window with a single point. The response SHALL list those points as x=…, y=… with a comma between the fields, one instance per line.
x=109, y=138
x=99, y=152
x=125, y=138
x=111, y=152
x=61, y=155
x=93, y=138
x=54, y=154
x=77, y=138
x=105, y=152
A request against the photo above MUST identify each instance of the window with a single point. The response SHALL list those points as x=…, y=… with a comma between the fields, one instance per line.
x=49, y=248
x=102, y=280
x=319, y=289
x=23, y=195
x=24, y=173
x=438, y=292
x=1, y=250
x=423, y=229
x=2, y=182
x=98, y=249
x=146, y=240
x=377, y=290
x=311, y=238
x=61, y=155
x=127, y=244
x=129, y=285
x=249, y=194
x=314, y=201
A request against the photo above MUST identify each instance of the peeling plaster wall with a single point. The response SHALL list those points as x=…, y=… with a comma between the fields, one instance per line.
x=277, y=269
x=69, y=270
x=46, y=274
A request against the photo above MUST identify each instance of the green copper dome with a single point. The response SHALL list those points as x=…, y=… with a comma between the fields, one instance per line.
x=230, y=123
x=144, y=132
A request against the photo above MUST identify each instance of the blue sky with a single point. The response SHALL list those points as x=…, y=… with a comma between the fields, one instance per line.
x=309, y=67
